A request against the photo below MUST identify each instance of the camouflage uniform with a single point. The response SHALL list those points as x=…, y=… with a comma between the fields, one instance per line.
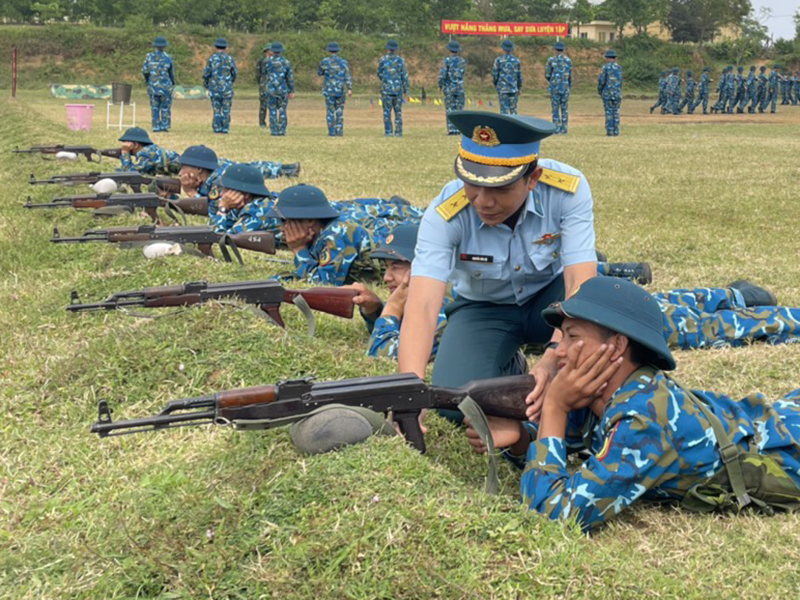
x=673, y=93
x=263, y=98
x=338, y=81
x=218, y=78
x=378, y=216
x=771, y=97
x=740, y=94
x=761, y=91
x=277, y=82
x=151, y=160
x=394, y=85
x=609, y=86
x=251, y=217
x=749, y=91
x=688, y=99
x=662, y=93
x=796, y=98
x=717, y=317
x=159, y=74
x=339, y=255
x=702, y=92
x=652, y=443
x=451, y=82
x=507, y=78
x=730, y=85
x=558, y=72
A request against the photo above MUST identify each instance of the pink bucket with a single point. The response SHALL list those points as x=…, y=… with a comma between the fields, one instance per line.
x=79, y=116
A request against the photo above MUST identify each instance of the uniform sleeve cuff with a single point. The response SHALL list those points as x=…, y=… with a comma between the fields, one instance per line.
x=580, y=256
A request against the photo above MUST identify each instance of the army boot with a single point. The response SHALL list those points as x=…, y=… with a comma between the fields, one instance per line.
x=638, y=272
x=754, y=295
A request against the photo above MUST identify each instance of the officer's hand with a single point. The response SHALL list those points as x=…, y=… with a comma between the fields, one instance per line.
x=396, y=304
x=505, y=433
x=543, y=371
x=583, y=378
x=232, y=199
x=297, y=235
x=368, y=301
x=291, y=96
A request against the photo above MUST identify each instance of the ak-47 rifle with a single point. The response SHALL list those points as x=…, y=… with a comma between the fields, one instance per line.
x=132, y=179
x=148, y=202
x=268, y=295
x=267, y=406
x=204, y=237
x=88, y=151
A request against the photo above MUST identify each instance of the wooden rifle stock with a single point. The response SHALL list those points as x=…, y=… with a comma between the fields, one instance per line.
x=333, y=301
x=261, y=394
x=257, y=241
x=190, y=206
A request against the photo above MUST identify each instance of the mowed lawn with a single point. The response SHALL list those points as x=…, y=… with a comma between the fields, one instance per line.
x=209, y=512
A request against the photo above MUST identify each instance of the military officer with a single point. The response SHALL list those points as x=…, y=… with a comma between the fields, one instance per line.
x=394, y=88
x=512, y=234
x=328, y=248
x=337, y=82
x=558, y=72
x=451, y=83
x=139, y=153
x=609, y=86
x=507, y=78
x=649, y=437
x=263, y=97
x=218, y=78
x=159, y=75
x=277, y=80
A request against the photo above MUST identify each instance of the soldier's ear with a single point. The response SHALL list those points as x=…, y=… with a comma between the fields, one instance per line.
x=620, y=343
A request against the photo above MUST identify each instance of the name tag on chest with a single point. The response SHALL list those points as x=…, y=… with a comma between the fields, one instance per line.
x=478, y=258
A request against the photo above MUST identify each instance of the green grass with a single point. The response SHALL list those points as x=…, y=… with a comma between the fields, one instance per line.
x=208, y=512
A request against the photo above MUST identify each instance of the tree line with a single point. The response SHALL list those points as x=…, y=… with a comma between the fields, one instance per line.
x=688, y=20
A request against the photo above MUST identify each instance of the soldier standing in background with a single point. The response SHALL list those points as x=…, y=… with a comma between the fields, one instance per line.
x=394, y=87
x=673, y=91
x=609, y=86
x=278, y=83
x=336, y=72
x=558, y=72
x=507, y=78
x=749, y=90
x=159, y=75
x=703, y=91
x=662, y=93
x=688, y=99
x=262, y=94
x=451, y=82
x=218, y=78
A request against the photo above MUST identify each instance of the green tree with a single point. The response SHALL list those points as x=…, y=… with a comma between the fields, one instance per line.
x=581, y=12
x=637, y=13
x=700, y=20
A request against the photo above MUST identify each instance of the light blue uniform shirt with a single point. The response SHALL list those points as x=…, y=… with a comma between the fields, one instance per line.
x=501, y=265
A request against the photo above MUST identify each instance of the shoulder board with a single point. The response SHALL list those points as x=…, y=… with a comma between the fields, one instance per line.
x=562, y=181
x=453, y=205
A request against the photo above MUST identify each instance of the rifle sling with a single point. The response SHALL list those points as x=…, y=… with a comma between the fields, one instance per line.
x=477, y=420
x=225, y=242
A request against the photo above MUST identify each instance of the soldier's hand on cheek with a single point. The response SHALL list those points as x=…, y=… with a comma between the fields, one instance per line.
x=396, y=304
x=583, y=377
x=296, y=236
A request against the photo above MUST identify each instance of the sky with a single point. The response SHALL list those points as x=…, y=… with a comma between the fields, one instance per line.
x=780, y=23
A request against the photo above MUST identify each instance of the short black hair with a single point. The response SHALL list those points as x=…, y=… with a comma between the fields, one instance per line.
x=531, y=168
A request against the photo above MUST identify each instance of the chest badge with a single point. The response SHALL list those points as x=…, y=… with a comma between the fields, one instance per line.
x=547, y=239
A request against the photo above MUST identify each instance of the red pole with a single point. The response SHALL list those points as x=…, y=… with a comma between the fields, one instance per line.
x=14, y=72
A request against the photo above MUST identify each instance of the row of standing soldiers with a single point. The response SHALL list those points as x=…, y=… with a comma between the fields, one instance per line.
x=737, y=92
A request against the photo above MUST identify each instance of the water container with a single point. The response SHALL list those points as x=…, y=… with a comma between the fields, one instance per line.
x=79, y=116
x=121, y=93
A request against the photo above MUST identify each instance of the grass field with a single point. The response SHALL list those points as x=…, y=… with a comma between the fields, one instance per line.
x=208, y=512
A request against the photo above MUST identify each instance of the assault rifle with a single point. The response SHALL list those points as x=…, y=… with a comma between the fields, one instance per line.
x=132, y=179
x=267, y=406
x=204, y=237
x=267, y=295
x=148, y=202
x=88, y=151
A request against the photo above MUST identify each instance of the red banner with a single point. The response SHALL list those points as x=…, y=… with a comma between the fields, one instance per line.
x=487, y=28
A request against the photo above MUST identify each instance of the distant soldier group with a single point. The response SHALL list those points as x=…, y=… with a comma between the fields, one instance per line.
x=737, y=92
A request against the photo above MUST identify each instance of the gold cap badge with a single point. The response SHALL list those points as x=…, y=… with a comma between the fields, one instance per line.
x=485, y=136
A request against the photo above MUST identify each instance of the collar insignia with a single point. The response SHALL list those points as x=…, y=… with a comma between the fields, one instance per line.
x=485, y=136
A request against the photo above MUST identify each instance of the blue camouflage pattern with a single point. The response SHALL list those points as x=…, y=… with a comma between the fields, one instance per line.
x=688, y=98
x=507, y=79
x=703, y=91
x=558, y=72
x=652, y=443
x=609, y=86
x=339, y=255
x=379, y=216
x=219, y=76
x=393, y=75
x=251, y=217
x=151, y=160
x=662, y=95
x=451, y=83
x=740, y=96
x=771, y=94
x=673, y=93
x=277, y=82
x=752, y=92
x=159, y=75
x=336, y=83
x=761, y=92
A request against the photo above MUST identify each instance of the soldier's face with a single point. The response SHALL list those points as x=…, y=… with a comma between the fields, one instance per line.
x=576, y=330
x=396, y=271
x=496, y=204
